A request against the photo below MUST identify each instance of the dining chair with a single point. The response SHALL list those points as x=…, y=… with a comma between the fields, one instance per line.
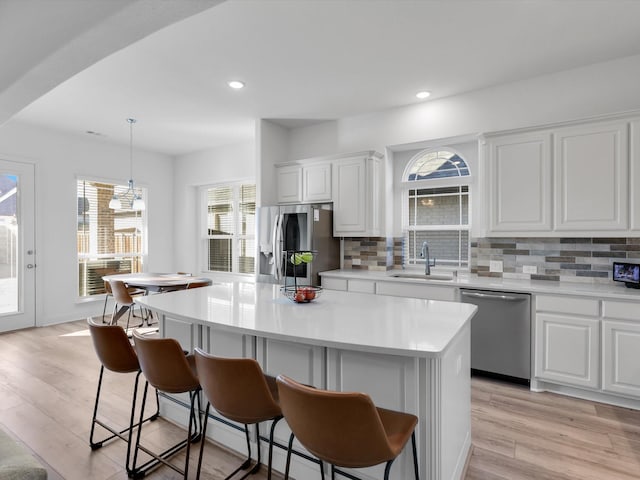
x=239, y=391
x=168, y=369
x=124, y=303
x=116, y=354
x=109, y=293
x=344, y=429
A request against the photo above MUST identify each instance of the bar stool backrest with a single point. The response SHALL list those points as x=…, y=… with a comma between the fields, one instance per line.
x=236, y=387
x=342, y=428
x=113, y=348
x=165, y=364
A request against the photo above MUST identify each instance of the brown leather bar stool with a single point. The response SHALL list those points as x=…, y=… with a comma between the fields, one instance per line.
x=167, y=369
x=116, y=354
x=344, y=429
x=239, y=390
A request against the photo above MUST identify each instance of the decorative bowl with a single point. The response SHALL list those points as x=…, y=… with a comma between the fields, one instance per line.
x=301, y=293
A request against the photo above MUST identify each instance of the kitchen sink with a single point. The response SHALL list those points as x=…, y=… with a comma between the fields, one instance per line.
x=418, y=276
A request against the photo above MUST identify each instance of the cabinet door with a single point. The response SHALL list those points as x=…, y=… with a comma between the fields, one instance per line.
x=289, y=184
x=634, y=158
x=620, y=347
x=349, y=195
x=316, y=183
x=567, y=349
x=591, y=168
x=519, y=173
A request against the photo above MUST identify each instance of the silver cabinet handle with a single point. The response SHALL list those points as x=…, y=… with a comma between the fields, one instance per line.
x=30, y=265
x=508, y=298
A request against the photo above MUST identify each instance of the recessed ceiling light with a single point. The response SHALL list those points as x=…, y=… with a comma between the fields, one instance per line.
x=236, y=84
x=422, y=95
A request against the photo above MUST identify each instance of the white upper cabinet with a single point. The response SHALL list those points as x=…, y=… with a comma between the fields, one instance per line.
x=591, y=172
x=357, y=195
x=304, y=183
x=289, y=180
x=316, y=183
x=566, y=180
x=519, y=182
x=634, y=173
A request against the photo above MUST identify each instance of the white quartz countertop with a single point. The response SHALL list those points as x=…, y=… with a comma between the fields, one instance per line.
x=601, y=291
x=353, y=321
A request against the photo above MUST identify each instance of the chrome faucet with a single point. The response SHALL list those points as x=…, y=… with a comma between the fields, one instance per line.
x=427, y=262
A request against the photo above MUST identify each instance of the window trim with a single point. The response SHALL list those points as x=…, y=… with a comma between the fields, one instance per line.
x=406, y=185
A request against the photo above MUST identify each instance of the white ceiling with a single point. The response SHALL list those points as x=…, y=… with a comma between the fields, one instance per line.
x=310, y=59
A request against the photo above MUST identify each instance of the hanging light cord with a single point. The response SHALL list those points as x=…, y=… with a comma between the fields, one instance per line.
x=131, y=122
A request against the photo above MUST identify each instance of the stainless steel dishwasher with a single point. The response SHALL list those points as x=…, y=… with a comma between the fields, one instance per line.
x=500, y=334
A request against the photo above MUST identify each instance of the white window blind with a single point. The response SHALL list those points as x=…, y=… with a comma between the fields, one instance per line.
x=230, y=228
x=438, y=215
x=108, y=241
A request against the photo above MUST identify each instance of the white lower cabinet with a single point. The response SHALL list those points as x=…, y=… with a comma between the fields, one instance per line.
x=304, y=363
x=620, y=354
x=567, y=349
x=330, y=283
x=621, y=348
x=407, y=289
x=392, y=288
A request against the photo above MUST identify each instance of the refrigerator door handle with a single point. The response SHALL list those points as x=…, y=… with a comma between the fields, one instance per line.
x=277, y=246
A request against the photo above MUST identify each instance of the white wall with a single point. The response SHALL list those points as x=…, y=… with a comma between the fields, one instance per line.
x=59, y=160
x=223, y=164
x=272, y=141
x=599, y=89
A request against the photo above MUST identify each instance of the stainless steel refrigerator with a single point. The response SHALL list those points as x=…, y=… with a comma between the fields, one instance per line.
x=288, y=228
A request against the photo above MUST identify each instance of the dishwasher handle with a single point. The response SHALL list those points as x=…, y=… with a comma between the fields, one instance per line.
x=492, y=296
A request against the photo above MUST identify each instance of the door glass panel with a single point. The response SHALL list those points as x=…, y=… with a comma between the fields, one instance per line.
x=9, y=222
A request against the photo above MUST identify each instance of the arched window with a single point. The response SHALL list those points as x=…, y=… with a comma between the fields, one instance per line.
x=436, y=208
x=437, y=164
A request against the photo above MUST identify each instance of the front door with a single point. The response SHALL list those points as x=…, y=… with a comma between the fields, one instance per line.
x=17, y=254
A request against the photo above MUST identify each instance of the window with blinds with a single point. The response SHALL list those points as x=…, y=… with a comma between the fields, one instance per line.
x=436, y=209
x=108, y=241
x=230, y=228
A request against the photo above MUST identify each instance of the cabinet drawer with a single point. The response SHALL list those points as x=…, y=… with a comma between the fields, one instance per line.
x=334, y=283
x=576, y=306
x=621, y=310
x=362, y=286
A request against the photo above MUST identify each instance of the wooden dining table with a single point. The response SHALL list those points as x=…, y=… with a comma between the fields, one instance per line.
x=154, y=283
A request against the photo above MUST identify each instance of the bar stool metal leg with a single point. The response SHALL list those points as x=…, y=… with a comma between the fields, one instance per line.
x=193, y=435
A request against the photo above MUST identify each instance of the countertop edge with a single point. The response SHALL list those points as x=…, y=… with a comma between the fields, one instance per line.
x=601, y=291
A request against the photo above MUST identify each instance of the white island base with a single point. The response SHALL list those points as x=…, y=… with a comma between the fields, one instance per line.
x=407, y=354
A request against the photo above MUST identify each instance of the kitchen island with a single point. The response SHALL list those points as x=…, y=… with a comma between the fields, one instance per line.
x=407, y=354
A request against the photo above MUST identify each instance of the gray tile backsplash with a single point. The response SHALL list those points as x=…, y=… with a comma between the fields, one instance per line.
x=585, y=260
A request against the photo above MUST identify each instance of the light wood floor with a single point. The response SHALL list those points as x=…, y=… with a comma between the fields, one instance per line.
x=47, y=389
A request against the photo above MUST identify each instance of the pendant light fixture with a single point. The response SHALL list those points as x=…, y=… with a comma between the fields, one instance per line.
x=133, y=199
